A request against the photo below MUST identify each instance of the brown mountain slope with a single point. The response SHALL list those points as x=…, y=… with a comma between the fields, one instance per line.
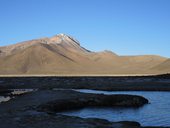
x=163, y=67
x=63, y=54
x=35, y=59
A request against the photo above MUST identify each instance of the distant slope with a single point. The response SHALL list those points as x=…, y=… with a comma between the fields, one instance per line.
x=63, y=54
x=163, y=67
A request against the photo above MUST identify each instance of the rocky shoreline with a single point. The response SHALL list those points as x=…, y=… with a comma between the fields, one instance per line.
x=39, y=109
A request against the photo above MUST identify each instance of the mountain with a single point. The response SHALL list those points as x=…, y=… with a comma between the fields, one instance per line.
x=163, y=67
x=62, y=54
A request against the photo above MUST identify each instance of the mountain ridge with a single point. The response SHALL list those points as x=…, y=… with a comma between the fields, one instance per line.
x=62, y=54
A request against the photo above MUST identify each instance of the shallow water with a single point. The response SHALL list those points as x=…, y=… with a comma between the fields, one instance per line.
x=157, y=113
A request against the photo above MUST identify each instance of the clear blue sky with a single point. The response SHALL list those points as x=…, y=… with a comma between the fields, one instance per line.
x=127, y=27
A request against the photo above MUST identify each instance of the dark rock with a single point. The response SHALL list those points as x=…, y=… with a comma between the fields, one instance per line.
x=62, y=121
x=5, y=92
x=93, y=100
x=21, y=112
x=109, y=83
x=130, y=123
